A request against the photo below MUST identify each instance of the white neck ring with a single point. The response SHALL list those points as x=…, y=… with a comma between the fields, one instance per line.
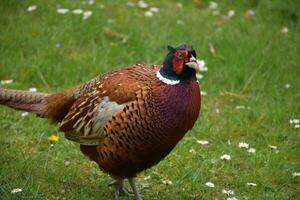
x=166, y=80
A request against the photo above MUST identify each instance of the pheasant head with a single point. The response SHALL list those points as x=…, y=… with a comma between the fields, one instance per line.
x=180, y=64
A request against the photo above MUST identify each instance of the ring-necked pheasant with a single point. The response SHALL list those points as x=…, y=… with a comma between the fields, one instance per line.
x=126, y=120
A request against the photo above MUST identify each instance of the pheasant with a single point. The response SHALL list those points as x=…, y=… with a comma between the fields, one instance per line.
x=126, y=120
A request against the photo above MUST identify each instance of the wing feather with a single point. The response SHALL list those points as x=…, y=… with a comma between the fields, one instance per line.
x=98, y=102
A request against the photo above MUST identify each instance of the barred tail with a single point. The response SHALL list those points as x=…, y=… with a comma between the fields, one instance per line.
x=23, y=100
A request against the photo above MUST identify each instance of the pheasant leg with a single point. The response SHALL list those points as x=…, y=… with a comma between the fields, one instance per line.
x=134, y=190
x=120, y=190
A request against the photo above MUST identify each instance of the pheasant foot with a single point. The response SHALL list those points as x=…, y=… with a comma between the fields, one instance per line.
x=120, y=189
x=134, y=190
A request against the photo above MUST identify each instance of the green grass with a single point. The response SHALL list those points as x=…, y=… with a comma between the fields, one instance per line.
x=252, y=62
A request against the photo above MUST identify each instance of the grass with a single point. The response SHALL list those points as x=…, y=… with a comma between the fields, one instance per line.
x=251, y=62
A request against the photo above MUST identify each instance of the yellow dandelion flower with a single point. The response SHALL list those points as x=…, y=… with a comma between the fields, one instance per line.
x=53, y=138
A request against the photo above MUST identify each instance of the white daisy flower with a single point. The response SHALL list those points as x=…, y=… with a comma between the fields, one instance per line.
x=58, y=45
x=147, y=177
x=62, y=11
x=142, y=4
x=167, y=182
x=24, y=114
x=232, y=198
x=203, y=93
x=179, y=5
x=287, y=85
x=240, y=107
x=5, y=82
x=228, y=192
x=251, y=150
x=243, y=145
x=294, y=121
x=202, y=66
x=213, y=5
x=154, y=9
x=77, y=11
x=31, y=8
x=296, y=174
x=297, y=126
x=16, y=190
x=67, y=163
x=225, y=157
x=148, y=14
x=32, y=89
x=231, y=13
x=87, y=14
x=91, y=2
x=210, y=184
x=251, y=184
x=284, y=30
x=250, y=13
x=203, y=142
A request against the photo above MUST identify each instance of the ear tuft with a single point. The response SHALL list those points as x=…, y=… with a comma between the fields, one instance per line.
x=171, y=49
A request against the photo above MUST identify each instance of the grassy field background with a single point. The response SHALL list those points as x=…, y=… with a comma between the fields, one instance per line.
x=252, y=86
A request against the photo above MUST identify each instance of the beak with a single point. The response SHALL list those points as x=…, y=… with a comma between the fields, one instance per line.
x=193, y=63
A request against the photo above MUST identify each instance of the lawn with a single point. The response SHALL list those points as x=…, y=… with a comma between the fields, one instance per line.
x=252, y=86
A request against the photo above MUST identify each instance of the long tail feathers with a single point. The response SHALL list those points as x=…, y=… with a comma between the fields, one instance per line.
x=23, y=100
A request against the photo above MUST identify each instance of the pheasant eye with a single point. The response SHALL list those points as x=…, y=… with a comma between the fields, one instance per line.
x=179, y=56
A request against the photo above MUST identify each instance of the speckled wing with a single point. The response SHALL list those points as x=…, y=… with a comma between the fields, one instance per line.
x=97, y=102
x=127, y=131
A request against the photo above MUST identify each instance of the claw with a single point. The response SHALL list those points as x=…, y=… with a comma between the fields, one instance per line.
x=133, y=187
x=120, y=190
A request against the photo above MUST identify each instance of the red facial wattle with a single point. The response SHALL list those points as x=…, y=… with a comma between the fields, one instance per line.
x=179, y=58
